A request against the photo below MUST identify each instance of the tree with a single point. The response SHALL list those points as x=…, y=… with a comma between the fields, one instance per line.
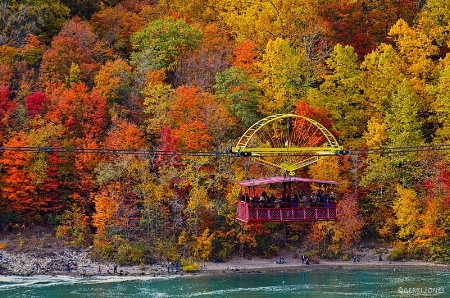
x=281, y=82
x=76, y=43
x=198, y=121
x=403, y=125
x=381, y=74
x=82, y=113
x=161, y=44
x=114, y=81
x=116, y=25
x=158, y=100
x=407, y=212
x=340, y=94
x=441, y=106
x=17, y=189
x=417, y=52
x=35, y=104
x=7, y=107
x=349, y=224
x=434, y=21
x=262, y=21
x=41, y=18
x=214, y=54
x=240, y=94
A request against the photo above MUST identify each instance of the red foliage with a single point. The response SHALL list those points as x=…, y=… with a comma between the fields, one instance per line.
x=49, y=189
x=168, y=143
x=35, y=103
x=364, y=24
x=7, y=108
x=316, y=113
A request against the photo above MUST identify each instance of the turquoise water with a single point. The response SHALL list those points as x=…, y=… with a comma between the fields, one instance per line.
x=311, y=283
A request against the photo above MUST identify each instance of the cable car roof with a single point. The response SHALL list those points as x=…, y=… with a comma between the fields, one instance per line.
x=281, y=179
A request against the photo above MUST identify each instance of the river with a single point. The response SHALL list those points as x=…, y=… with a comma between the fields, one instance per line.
x=398, y=282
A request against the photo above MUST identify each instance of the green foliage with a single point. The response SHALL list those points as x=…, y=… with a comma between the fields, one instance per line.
x=440, y=253
x=397, y=254
x=162, y=43
x=340, y=94
x=240, y=94
x=21, y=18
x=131, y=253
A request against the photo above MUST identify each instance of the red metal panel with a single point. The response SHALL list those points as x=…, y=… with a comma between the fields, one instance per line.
x=247, y=214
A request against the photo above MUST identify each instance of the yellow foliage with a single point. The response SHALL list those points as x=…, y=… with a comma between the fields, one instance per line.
x=281, y=68
x=106, y=208
x=407, y=211
x=376, y=134
x=202, y=247
x=183, y=238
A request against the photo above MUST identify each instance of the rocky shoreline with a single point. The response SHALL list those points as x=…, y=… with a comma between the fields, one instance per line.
x=56, y=263
x=42, y=262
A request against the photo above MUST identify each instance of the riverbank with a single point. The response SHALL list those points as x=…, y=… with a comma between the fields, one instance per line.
x=40, y=262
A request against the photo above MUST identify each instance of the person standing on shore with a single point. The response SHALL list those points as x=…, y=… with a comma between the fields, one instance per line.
x=115, y=268
x=99, y=270
x=68, y=268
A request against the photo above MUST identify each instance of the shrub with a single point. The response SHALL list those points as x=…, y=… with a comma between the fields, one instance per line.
x=398, y=253
x=189, y=265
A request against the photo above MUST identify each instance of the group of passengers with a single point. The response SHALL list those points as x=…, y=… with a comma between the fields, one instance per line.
x=319, y=199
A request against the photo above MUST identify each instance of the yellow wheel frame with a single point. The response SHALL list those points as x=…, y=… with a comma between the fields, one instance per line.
x=287, y=141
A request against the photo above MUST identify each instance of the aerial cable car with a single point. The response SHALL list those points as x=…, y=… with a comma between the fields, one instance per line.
x=287, y=142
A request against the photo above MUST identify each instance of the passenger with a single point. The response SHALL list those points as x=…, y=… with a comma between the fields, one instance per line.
x=270, y=202
x=331, y=199
x=303, y=199
x=262, y=201
x=273, y=199
x=295, y=201
x=320, y=197
x=264, y=195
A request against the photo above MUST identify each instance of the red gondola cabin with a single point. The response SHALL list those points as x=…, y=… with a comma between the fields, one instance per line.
x=255, y=204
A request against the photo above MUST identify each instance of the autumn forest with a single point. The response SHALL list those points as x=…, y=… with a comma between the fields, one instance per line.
x=192, y=76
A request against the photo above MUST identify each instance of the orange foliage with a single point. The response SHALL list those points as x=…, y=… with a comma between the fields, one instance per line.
x=245, y=56
x=81, y=112
x=116, y=25
x=76, y=43
x=125, y=135
x=18, y=186
x=190, y=118
x=430, y=232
